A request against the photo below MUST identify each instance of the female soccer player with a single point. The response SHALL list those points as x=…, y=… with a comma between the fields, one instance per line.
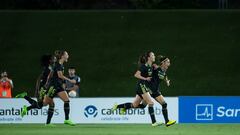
x=47, y=62
x=159, y=75
x=144, y=75
x=56, y=88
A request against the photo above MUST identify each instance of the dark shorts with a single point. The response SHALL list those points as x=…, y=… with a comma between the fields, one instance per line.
x=54, y=90
x=155, y=94
x=141, y=89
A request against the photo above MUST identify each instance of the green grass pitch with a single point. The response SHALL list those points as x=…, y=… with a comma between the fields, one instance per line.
x=120, y=129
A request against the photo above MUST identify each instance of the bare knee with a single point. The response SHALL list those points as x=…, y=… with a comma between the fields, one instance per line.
x=135, y=105
x=150, y=103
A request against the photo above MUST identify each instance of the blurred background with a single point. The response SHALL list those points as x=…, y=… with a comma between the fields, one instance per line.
x=105, y=38
x=120, y=4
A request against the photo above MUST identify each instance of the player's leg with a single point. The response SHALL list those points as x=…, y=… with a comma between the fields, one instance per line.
x=146, y=96
x=160, y=99
x=64, y=97
x=25, y=109
x=34, y=104
x=142, y=105
x=26, y=97
x=49, y=100
x=137, y=100
x=136, y=103
x=123, y=107
x=39, y=104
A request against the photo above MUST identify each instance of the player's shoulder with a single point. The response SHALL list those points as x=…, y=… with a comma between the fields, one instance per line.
x=142, y=66
x=160, y=71
x=77, y=78
x=58, y=65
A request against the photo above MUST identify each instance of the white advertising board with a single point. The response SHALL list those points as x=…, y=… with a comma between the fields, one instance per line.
x=85, y=110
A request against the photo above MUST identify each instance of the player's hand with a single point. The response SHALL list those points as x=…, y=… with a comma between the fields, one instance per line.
x=73, y=81
x=148, y=79
x=168, y=82
x=155, y=66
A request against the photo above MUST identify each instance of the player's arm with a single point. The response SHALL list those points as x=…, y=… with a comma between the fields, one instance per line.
x=155, y=66
x=76, y=85
x=167, y=81
x=138, y=76
x=75, y=88
x=60, y=75
x=48, y=78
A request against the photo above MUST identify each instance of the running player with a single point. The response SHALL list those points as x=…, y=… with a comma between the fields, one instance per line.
x=144, y=75
x=56, y=87
x=47, y=62
x=159, y=75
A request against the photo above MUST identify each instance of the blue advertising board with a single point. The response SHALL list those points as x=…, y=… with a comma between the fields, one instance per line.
x=209, y=109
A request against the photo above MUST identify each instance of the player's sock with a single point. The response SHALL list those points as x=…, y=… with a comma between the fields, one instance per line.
x=121, y=105
x=128, y=105
x=124, y=109
x=125, y=105
x=66, y=109
x=151, y=113
x=50, y=113
x=34, y=105
x=24, y=95
x=29, y=107
x=30, y=100
x=165, y=112
x=40, y=104
x=142, y=106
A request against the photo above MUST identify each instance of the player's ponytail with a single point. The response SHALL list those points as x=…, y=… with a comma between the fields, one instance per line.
x=141, y=60
x=144, y=58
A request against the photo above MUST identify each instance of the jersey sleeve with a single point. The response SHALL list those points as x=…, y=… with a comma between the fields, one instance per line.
x=59, y=67
x=78, y=80
x=142, y=69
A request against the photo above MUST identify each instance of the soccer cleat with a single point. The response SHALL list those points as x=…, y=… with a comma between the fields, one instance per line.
x=21, y=95
x=170, y=122
x=157, y=124
x=114, y=107
x=122, y=111
x=50, y=125
x=69, y=122
x=24, y=111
